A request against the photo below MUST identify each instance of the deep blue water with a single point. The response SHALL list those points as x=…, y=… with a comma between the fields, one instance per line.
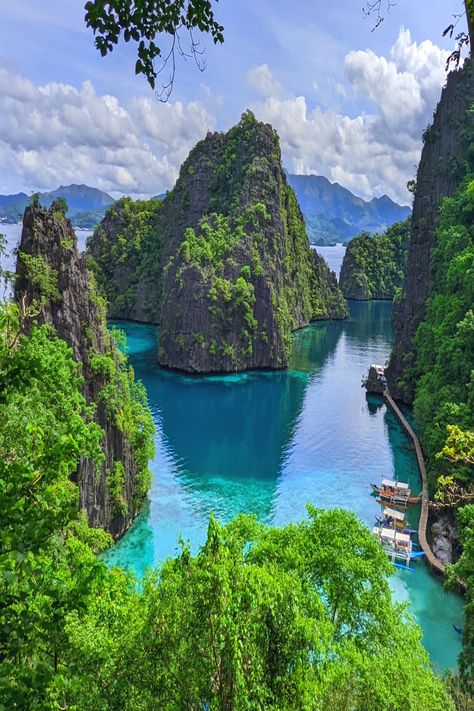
x=268, y=442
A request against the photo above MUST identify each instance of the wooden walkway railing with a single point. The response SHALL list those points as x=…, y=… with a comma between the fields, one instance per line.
x=433, y=561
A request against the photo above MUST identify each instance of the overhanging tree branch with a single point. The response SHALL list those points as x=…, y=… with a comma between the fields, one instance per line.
x=142, y=21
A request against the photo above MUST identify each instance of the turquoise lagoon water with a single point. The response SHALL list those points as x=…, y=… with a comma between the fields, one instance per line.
x=268, y=442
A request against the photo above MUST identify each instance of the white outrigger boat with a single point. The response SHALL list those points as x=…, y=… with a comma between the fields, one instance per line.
x=392, y=518
x=395, y=537
x=396, y=544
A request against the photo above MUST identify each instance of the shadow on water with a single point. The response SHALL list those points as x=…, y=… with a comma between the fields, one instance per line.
x=374, y=403
x=222, y=441
x=370, y=322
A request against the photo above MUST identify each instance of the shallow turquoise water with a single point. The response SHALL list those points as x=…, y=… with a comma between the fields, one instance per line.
x=268, y=442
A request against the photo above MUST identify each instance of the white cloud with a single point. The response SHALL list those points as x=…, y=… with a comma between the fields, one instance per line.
x=372, y=153
x=57, y=133
x=262, y=79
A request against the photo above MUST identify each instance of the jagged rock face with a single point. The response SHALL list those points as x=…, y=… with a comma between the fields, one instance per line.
x=375, y=383
x=439, y=175
x=78, y=316
x=243, y=277
x=236, y=274
x=445, y=539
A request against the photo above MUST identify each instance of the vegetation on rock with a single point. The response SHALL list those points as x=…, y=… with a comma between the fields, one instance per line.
x=125, y=254
x=439, y=371
x=299, y=617
x=223, y=264
x=444, y=341
x=54, y=287
x=373, y=266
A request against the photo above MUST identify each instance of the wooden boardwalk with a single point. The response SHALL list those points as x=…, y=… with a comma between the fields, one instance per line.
x=433, y=561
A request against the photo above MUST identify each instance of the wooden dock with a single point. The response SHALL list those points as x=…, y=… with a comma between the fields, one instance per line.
x=433, y=561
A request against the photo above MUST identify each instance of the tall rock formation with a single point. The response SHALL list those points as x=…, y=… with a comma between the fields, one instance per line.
x=373, y=267
x=225, y=269
x=53, y=282
x=439, y=174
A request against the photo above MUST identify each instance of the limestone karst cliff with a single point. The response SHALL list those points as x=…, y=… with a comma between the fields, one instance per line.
x=55, y=285
x=441, y=169
x=373, y=266
x=223, y=264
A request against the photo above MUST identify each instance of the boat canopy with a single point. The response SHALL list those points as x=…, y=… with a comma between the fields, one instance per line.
x=394, y=484
x=389, y=534
x=391, y=513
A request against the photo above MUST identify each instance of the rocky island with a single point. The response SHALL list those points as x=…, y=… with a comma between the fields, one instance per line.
x=223, y=264
x=373, y=266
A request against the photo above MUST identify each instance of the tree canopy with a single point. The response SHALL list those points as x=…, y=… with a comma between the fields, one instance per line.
x=292, y=618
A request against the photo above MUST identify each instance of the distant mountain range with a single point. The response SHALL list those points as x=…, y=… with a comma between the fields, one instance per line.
x=86, y=205
x=334, y=214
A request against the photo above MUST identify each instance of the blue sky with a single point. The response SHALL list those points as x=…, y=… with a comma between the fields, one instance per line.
x=348, y=103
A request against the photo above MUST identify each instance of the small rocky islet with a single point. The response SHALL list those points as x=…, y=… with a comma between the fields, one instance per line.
x=223, y=264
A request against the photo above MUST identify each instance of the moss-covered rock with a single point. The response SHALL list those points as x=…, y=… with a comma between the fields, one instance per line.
x=373, y=266
x=56, y=288
x=226, y=264
x=124, y=254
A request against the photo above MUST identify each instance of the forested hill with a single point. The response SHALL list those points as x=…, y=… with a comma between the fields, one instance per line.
x=373, y=266
x=334, y=214
x=223, y=263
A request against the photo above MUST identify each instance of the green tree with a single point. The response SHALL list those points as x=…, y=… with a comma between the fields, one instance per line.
x=293, y=618
x=464, y=570
x=45, y=568
x=141, y=21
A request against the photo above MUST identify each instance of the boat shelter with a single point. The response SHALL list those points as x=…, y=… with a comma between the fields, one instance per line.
x=394, y=514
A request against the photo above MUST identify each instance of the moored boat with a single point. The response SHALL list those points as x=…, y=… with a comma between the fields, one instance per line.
x=397, y=493
x=396, y=544
x=391, y=518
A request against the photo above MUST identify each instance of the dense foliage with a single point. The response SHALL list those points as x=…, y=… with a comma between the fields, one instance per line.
x=133, y=254
x=297, y=618
x=54, y=286
x=444, y=342
x=444, y=375
x=373, y=266
x=292, y=618
x=45, y=570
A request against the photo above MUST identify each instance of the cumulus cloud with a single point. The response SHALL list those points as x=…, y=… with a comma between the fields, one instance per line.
x=57, y=133
x=377, y=151
x=262, y=79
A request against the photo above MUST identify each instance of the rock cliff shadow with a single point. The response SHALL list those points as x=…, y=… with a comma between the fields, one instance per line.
x=226, y=437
